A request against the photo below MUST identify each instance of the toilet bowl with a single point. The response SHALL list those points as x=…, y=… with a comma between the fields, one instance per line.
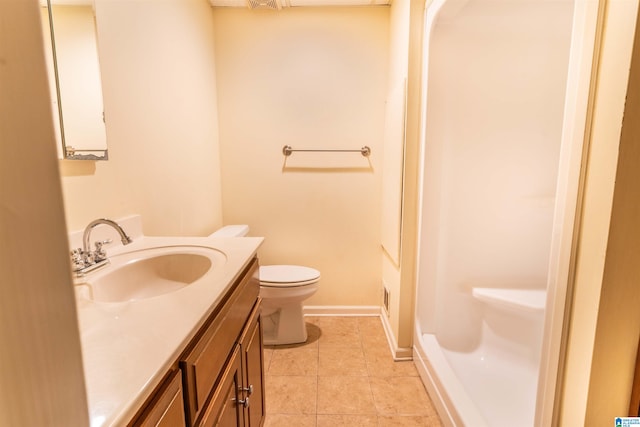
x=283, y=288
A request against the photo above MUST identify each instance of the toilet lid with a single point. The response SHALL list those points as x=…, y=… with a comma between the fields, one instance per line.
x=288, y=275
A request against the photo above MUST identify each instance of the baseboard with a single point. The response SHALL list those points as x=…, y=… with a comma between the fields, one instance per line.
x=341, y=310
x=398, y=353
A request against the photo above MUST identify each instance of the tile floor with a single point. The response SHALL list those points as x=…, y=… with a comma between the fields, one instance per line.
x=343, y=375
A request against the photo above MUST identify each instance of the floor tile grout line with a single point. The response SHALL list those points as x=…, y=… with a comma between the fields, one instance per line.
x=373, y=398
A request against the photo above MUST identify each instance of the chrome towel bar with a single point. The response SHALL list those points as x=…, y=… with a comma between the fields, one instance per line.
x=365, y=151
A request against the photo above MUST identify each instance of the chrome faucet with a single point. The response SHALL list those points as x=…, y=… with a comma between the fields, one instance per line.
x=124, y=238
x=85, y=260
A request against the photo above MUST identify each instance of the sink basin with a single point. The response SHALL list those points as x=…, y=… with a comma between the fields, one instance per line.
x=151, y=272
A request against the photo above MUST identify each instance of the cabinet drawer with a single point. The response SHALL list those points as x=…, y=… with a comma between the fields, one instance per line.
x=203, y=364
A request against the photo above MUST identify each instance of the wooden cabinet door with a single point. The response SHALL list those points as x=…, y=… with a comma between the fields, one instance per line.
x=253, y=369
x=226, y=407
x=167, y=410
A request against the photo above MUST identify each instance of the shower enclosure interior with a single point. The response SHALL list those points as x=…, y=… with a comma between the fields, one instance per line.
x=494, y=127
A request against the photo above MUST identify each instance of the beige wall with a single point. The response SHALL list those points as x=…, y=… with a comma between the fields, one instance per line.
x=41, y=376
x=394, y=156
x=310, y=78
x=394, y=130
x=158, y=74
x=409, y=236
x=600, y=348
x=407, y=18
x=395, y=133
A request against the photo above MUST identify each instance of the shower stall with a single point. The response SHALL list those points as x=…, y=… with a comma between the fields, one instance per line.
x=504, y=112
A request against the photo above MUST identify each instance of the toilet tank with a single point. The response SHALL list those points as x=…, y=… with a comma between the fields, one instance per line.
x=231, y=231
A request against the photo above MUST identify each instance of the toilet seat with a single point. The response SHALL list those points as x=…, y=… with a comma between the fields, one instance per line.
x=287, y=276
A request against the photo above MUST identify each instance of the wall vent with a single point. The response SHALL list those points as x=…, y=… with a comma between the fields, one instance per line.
x=385, y=299
x=264, y=4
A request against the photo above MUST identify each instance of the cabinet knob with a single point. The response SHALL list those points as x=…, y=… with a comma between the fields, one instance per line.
x=249, y=389
x=242, y=402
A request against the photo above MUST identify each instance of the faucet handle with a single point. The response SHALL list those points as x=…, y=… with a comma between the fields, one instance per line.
x=77, y=259
x=100, y=253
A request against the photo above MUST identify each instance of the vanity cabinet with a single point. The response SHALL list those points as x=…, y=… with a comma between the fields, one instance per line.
x=220, y=380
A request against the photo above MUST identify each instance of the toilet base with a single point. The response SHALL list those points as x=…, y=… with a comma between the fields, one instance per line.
x=284, y=326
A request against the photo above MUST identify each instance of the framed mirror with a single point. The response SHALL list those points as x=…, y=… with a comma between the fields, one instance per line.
x=69, y=29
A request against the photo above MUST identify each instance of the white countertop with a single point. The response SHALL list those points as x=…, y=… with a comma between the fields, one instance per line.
x=128, y=346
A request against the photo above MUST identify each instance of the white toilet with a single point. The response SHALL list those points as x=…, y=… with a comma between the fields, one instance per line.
x=283, y=288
